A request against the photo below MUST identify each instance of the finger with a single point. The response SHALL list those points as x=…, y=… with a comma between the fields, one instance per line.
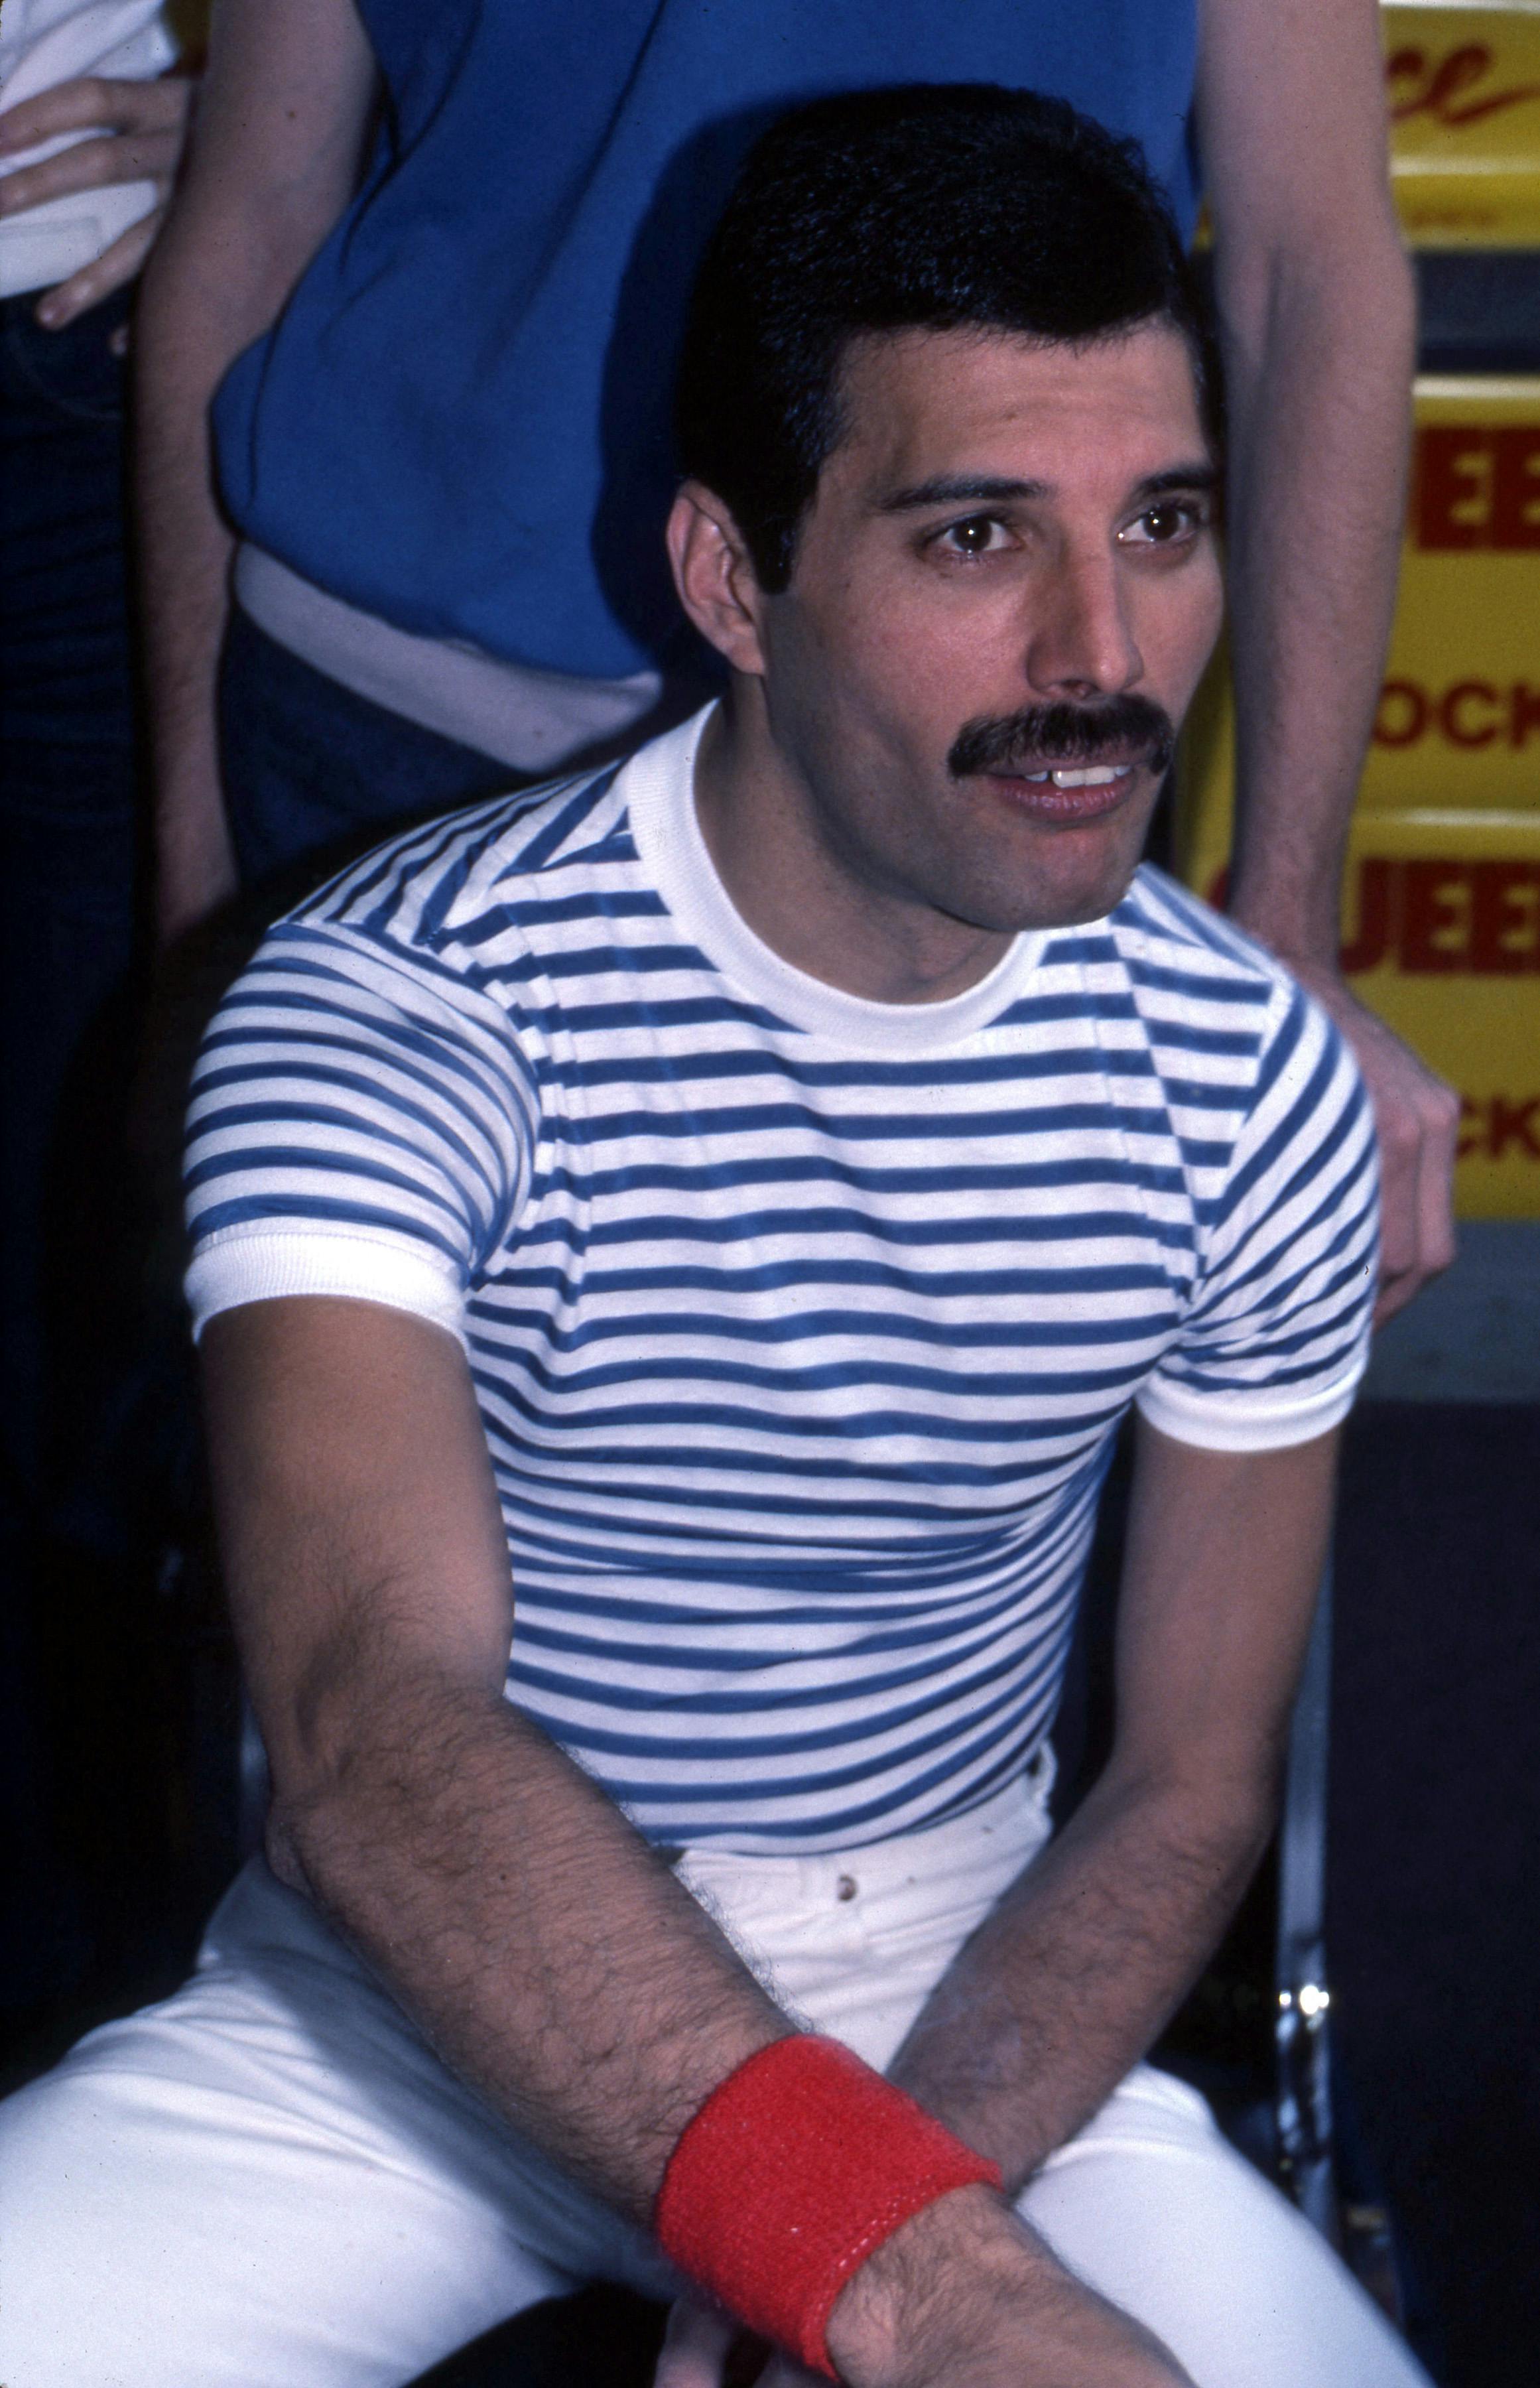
x=754, y=2364
x=95, y=104
x=1435, y=1205
x=695, y=2346
x=1400, y=1138
x=101, y=277
x=1393, y=1296
x=90, y=166
x=1417, y=1148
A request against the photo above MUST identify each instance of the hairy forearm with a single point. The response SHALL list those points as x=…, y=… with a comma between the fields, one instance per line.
x=547, y=1955
x=1318, y=362
x=1068, y=1982
x=550, y=1957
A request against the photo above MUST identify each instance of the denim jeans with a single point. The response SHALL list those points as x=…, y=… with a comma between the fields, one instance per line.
x=314, y=775
x=67, y=792
x=68, y=898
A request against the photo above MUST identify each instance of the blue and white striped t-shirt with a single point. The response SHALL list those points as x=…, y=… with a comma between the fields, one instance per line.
x=800, y=1324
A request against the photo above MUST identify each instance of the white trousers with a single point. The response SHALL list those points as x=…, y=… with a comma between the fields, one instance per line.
x=270, y=2179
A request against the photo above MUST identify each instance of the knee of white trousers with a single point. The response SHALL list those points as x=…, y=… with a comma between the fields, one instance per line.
x=1150, y=2206
x=147, y=2239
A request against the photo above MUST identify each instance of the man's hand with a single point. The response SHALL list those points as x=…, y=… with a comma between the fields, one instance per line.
x=963, y=2297
x=1418, y=1119
x=1317, y=314
x=139, y=130
x=704, y=2347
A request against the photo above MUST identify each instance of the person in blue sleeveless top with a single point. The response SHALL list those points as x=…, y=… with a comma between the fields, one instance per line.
x=433, y=264
x=672, y=1249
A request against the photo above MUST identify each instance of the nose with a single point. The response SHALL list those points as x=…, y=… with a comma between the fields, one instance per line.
x=1080, y=639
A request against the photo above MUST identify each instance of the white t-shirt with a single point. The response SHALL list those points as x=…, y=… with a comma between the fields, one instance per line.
x=800, y=1325
x=47, y=42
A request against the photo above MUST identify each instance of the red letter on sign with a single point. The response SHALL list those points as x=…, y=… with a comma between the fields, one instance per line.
x=1369, y=947
x=1454, y=486
x=1431, y=909
x=1452, y=707
x=1525, y=714
x=1516, y=488
x=1505, y=927
x=1511, y=1123
x=1405, y=731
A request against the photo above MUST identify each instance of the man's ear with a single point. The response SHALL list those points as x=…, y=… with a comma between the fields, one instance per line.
x=714, y=576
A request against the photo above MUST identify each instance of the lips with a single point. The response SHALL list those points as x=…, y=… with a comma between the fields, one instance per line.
x=1067, y=794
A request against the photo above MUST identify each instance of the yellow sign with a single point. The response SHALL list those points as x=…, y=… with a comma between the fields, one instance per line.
x=1464, y=89
x=1440, y=914
x=1458, y=721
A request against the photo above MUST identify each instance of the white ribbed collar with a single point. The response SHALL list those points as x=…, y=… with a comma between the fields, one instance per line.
x=658, y=786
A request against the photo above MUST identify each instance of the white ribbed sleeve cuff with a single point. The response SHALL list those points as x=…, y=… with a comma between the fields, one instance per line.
x=1267, y=1420
x=258, y=1263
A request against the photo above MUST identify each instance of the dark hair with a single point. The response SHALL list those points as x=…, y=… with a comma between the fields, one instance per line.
x=933, y=205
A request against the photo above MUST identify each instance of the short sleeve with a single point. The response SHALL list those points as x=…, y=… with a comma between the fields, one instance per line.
x=360, y=1125
x=1276, y=1334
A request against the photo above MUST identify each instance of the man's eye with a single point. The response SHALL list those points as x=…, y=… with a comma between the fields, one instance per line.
x=977, y=536
x=1162, y=526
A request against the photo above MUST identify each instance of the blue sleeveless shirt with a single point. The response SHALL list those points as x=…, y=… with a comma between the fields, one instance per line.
x=460, y=421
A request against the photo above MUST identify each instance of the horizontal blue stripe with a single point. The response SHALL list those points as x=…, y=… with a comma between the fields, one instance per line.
x=798, y=1272
x=246, y=1210
x=727, y=1122
x=556, y=1331
x=866, y=1433
x=748, y=1686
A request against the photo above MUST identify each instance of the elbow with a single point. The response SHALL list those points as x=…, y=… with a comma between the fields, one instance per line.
x=1214, y=1821
x=1345, y=292
x=281, y=1846
x=1385, y=298
x=310, y=1825
x=360, y=1766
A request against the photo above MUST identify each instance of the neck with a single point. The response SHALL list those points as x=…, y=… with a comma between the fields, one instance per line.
x=779, y=857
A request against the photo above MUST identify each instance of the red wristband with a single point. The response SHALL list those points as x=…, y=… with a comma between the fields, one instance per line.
x=796, y=2169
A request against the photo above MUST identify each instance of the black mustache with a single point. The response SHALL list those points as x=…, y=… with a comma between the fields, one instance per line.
x=1063, y=734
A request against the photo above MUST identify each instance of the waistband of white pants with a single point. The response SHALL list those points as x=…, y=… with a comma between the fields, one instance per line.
x=533, y=720
x=1016, y=1821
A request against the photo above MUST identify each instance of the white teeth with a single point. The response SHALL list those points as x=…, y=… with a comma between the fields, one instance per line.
x=1097, y=775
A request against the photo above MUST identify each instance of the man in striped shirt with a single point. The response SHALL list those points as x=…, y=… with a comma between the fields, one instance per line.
x=672, y=1253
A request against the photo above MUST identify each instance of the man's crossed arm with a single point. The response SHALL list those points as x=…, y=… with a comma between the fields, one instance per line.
x=557, y=1964
x=1069, y=1980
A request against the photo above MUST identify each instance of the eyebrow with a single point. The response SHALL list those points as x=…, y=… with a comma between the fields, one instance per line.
x=988, y=489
